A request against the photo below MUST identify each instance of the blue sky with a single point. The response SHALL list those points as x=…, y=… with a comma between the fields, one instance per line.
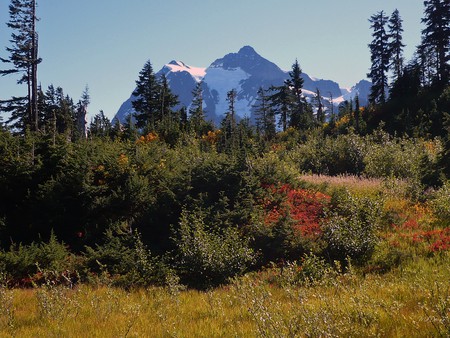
x=105, y=43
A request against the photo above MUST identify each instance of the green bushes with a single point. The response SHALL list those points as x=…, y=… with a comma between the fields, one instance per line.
x=440, y=204
x=21, y=262
x=351, y=228
x=210, y=256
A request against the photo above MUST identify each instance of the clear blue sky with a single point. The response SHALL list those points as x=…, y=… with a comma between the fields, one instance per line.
x=105, y=43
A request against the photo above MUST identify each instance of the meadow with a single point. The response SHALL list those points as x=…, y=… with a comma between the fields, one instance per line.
x=402, y=291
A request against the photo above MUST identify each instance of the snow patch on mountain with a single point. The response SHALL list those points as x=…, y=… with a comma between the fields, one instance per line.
x=197, y=73
x=220, y=81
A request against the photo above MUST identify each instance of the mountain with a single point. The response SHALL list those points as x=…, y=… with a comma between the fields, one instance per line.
x=245, y=71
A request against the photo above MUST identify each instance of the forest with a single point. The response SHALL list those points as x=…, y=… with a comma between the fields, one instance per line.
x=312, y=221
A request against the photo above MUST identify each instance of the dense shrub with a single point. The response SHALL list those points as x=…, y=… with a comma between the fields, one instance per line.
x=351, y=228
x=210, y=256
x=21, y=262
x=440, y=204
x=290, y=224
x=125, y=259
x=321, y=154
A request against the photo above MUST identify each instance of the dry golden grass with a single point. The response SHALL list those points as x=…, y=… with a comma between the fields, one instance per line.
x=410, y=302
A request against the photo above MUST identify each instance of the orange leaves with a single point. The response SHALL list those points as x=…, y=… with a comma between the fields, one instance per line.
x=149, y=138
x=212, y=136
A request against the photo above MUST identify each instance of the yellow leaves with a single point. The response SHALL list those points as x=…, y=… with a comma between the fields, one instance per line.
x=212, y=136
x=343, y=121
x=123, y=160
x=149, y=138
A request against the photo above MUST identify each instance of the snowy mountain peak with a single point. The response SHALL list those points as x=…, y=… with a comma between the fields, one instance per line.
x=245, y=71
x=174, y=66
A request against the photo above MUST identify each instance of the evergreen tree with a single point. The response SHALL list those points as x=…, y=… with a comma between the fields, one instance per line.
x=436, y=37
x=357, y=115
x=100, y=125
x=280, y=103
x=81, y=113
x=58, y=112
x=196, y=114
x=379, y=57
x=265, y=117
x=24, y=59
x=298, y=118
x=396, y=44
x=167, y=99
x=229, y=137
x=147, y=99
x=320, y=115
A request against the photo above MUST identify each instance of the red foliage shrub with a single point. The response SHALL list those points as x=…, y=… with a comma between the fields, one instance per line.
x=304, y=207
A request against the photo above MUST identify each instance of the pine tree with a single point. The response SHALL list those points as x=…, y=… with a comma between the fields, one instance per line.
x=24, y=59
x=196, y=113
x=320, y=115
x=379, y=57
x=82, y=112
x=357, y=115
x=280, y=104
x=396, y=45
x=265, y=117
x=147, y=102
x=436, y=37
x=167, y=99
x=229, y=137
x=298, y=117
x=100, y=125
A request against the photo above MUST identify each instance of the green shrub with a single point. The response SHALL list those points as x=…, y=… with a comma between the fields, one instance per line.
x=311, y=269
x=210, y=256
x=351, y=229
x=440, y=203
x=23, y=261
x=125, y=259
x=329, y=155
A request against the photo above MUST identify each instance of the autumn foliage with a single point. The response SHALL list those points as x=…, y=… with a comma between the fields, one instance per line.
x=305, y=208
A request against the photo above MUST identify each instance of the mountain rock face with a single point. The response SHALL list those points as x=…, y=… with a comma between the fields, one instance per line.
x=245, y=71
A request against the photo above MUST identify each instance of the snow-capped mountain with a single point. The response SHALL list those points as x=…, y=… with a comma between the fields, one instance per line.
x=245, y=71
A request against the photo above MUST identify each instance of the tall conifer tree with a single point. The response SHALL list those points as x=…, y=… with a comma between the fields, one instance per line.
x=196, y=113
x=396, y=44
x=380, y=58
x=24, y=60
x=146, y=102
x=265, y=117
x=295, y=84
x=436, y=37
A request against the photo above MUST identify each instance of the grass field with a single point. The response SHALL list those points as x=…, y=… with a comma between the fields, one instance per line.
x=412, y=301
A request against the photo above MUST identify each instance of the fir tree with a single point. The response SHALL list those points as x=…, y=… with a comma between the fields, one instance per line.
x=280, y=103
x=146, y=102
x=196, y=113
x=436, y=37
x=229, y=135
x=298, y=118
x=380, y=58
x=168, y=100
x=265, y=117
x=24, y=59
x=82, y=112
x=320, y=115
x=100, y=125
x=396, y=44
